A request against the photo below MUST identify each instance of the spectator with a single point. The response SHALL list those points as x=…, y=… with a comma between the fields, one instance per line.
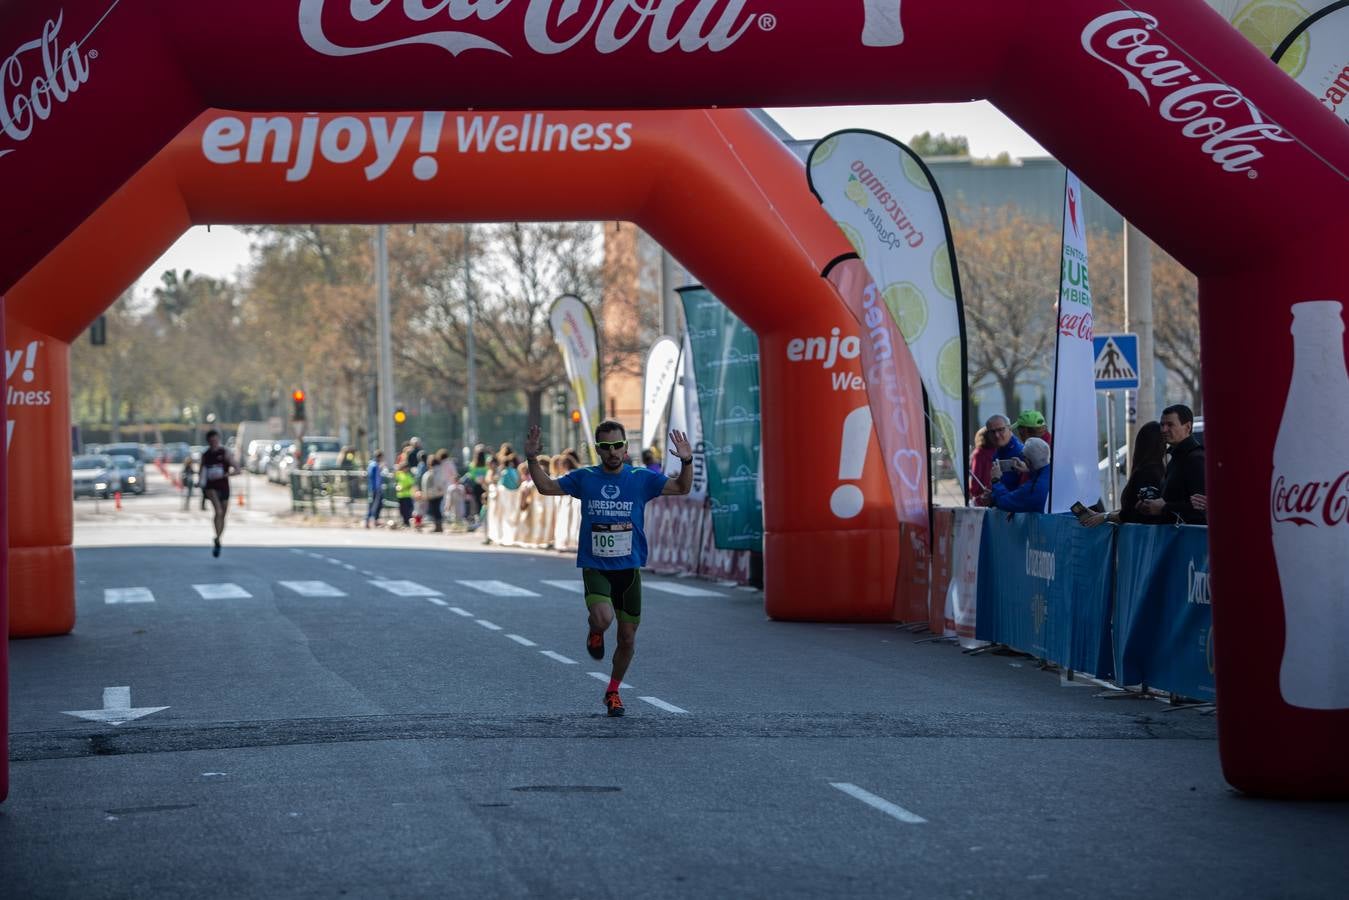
x=1006, y=449
x=981, y=465
x=1032, y=424
x=1031, y=496
x=508, y=473
x=650, y=461
x=1184, y=472
x=416, y=456
x=189, y=476
x=433, y=493
x=475, y=482
x=1146, y=475
x=405, y=483
x=374, y=485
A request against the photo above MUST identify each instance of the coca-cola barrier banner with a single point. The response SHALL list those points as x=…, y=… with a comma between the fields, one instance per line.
x=1190, y=132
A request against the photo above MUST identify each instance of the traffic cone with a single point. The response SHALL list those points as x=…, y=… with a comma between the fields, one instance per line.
x=117, y=499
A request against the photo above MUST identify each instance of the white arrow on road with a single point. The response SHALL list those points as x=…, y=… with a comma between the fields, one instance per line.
x=116, y=708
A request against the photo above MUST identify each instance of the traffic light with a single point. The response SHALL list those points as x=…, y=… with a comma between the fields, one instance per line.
x=560, y=401
x=576, y=417
x=400, y=416
x=297, y=402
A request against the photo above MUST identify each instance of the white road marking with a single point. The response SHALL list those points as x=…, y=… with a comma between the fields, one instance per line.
x=313, y=588
x=600, y=676
x=683, y=590
x=461, y=612
x=490, y=626
x=572, y=585
x=661, y=704
x=437, y=601
x=334, y=562
x=522, y=641
x=116, y=708
x=313, y=554
x=368, y=574
x=221, y=591
x=885, y=806
x=558, y=656
x=405, y=588
x=498, y=588
x=349, y=567
x=128, y=595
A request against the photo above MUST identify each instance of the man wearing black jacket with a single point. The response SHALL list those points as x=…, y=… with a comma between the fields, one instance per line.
x=1184, y=471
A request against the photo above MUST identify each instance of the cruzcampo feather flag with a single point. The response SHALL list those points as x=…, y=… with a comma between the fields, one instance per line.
x=574, y=330
x=885, y=201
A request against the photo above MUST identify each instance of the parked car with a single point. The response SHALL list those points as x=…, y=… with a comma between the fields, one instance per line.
x=94, y=475
x=138, y=452
x=279, y=451
x=255, y=460
x=176, y=452
x=323, y=460
x=131, y=472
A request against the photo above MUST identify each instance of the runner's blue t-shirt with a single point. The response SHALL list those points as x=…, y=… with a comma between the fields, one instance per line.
x=612, y=534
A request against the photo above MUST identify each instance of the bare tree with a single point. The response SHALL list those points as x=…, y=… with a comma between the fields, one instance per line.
x=1175, y=297
x=1009, y=272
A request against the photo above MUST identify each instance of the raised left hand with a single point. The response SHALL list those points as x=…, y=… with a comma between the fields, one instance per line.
x=681, y=444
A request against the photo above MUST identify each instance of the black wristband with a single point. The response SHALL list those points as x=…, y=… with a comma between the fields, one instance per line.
x=687, y=462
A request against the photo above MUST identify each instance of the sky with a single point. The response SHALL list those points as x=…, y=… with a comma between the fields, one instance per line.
x=222, y=251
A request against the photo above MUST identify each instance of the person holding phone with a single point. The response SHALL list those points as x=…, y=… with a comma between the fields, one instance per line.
x=612, y=548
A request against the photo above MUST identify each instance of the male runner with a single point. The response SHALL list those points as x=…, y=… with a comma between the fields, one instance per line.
x=612, y=542
x=216, y=468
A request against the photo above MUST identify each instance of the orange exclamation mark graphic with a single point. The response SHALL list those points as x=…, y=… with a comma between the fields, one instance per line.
x=847, y=499
x=425, y=168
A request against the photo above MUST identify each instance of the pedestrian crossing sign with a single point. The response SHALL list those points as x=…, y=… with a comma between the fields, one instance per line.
x=1116, y=362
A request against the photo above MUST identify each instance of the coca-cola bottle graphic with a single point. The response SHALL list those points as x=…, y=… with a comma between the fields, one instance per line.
x=1309, y=512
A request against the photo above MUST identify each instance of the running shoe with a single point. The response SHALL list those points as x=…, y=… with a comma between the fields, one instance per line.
x=614, y=702
x=595, y=645
x=215, y=551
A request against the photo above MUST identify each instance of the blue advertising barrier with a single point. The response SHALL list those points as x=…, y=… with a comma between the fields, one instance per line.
x=1163, y=618
x=1045, y=586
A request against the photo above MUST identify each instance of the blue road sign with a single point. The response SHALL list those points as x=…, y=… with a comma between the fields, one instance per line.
x=1116, y=362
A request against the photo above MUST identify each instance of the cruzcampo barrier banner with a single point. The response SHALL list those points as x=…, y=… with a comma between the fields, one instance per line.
x=658, y=381
x=726, y=365
x=1045, y=589
x=1075, y=475
x=1163, y=610
x=884, y=199
x=577, y=339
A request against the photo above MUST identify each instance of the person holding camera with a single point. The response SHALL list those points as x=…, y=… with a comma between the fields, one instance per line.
x=1184, y=471
x=1146, y=476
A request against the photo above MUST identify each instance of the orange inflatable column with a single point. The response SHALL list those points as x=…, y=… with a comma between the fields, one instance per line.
x=41, y=559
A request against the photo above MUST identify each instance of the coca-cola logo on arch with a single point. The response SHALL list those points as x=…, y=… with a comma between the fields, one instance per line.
x=1227, y=124
x=37, y=77
x=555, y=26
x=1313, y=503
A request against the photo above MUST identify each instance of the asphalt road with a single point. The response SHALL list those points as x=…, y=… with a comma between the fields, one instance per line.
x=385, y=740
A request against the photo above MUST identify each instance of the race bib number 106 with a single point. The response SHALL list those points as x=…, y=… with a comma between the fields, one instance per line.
x=611, y=540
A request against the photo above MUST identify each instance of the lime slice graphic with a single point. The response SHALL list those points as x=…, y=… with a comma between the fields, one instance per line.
x=945, y=428
x=856, y=193
x=909, y=307
x=1266, y=23
x=914, y=172
x=949, y=370
x=854, y=237
x=941, y=271
x=823, y=151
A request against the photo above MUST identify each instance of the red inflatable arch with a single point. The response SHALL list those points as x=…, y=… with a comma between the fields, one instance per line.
x=1160, y=106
